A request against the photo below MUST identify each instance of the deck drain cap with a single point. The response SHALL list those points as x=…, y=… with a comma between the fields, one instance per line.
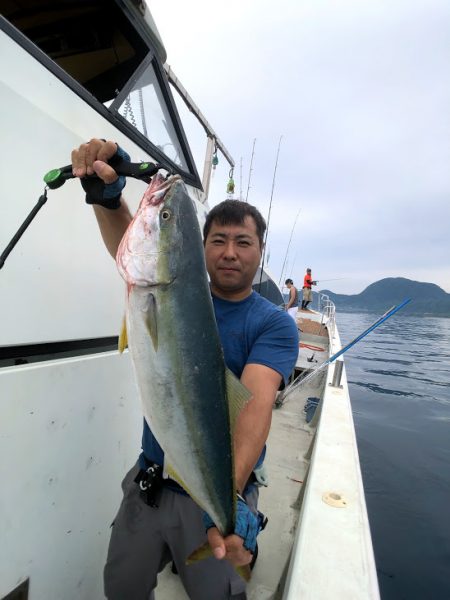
x=334, y=499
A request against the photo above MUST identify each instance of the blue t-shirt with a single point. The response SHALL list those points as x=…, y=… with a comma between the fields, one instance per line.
x=252, y=331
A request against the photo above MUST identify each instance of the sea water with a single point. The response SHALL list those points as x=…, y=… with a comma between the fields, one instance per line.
x=399, y=381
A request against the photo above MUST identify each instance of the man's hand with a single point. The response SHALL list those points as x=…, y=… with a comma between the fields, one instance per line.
x=92, y=158
x=239, y=546
x=95, y=151
x=231, y=548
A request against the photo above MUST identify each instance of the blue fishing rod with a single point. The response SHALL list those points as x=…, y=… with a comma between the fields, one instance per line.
x=302, y=380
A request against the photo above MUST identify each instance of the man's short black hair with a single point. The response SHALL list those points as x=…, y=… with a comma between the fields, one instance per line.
x=233, y=212
x=308, y=270
x=288, y=281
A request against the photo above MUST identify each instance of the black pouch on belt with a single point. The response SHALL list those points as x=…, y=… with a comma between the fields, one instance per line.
x=150, y=482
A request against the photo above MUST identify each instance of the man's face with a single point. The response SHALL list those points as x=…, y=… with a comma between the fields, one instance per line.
x=232, y=254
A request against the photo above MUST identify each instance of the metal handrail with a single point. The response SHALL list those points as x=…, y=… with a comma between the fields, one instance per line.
x=328, y=310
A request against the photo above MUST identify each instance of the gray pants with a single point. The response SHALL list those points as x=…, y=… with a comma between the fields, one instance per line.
x=144, y=539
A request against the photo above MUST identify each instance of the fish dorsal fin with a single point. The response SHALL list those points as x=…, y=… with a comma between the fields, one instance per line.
x=238, y=396
x=151, y=320
x=123, y=337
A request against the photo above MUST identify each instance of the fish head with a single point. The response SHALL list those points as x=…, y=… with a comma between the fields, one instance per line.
x=148, y=252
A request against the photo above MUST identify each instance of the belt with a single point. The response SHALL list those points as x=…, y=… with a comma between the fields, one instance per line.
x=151, y=481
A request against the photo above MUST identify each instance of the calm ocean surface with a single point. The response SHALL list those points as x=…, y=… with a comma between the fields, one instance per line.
x=399, y=378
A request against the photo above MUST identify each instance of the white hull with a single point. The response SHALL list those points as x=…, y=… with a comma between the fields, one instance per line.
x=70, y=431
x=332, y=554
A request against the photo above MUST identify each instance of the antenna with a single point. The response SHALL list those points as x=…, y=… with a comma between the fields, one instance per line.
x=287, y=249
x=250, y=170
x=240, y=182
x=293, y=264
x=270, y=208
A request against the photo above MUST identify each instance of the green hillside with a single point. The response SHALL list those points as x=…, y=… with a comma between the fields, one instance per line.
x=426, y=298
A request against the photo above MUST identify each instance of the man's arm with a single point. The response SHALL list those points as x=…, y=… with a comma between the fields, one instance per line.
x=92, y=158
x=113, y=224
x=253, y=424
x=252, y=429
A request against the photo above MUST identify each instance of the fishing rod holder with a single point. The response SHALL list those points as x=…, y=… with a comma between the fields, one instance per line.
x=337, y=374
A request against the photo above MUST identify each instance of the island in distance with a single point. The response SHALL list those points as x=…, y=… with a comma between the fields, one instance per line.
x=427, y=299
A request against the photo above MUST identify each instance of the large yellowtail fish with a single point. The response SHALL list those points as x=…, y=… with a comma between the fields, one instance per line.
x=190, y=400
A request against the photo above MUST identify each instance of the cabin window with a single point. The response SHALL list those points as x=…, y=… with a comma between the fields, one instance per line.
x=145, y=109
x=91, y=41
x=95, y=43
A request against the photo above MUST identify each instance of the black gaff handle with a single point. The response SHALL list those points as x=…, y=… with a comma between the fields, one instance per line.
x=55, y=178
x=143, y=171
x=36, y=208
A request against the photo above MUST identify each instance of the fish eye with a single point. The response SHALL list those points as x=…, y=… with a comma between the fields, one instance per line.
x=166, y=214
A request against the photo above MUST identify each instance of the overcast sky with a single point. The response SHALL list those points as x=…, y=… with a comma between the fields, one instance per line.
x=360, y=92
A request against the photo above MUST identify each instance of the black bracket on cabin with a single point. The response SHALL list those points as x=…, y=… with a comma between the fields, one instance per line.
x=55, y=178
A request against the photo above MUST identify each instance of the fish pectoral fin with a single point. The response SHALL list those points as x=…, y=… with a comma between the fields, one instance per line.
x=151, y=320
x=123, y=337
x=205, y=551
x=237, y=395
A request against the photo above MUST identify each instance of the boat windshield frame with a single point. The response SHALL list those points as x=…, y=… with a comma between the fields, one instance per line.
x=111, y=113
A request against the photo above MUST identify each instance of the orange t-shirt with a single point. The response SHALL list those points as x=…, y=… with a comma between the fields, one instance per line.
x=307, y=281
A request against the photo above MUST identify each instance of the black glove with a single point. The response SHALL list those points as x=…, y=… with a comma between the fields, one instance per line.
x=99, y=192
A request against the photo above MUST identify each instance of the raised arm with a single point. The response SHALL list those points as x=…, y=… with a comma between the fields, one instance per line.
x=113, y=224
x=112, y=213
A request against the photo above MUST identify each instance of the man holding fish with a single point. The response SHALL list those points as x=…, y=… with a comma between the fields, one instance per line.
x=209, y=358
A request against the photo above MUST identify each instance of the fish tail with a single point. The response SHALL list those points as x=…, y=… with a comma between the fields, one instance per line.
x=205, y=551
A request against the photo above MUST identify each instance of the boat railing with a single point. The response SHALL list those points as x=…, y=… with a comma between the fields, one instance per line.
x=328, y=311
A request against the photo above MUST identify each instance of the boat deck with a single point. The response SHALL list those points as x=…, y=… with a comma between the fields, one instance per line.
x=287, y=462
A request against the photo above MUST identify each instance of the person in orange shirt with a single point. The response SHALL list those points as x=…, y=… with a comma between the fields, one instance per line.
x=307, y=291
